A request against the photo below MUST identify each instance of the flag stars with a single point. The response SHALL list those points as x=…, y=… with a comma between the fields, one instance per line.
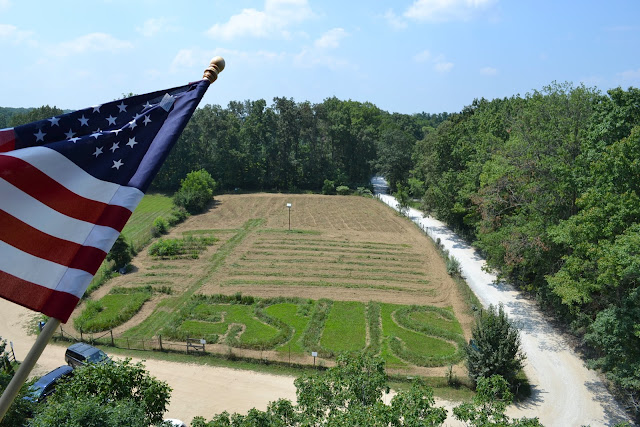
x=98, y=151
x=40, y=135
x=116, y=131
x=133, y=123
x=122, y=107
x=111, y=120
x=132, y=142
x=147, y=105
x=117, y=164
x=147, y=120
x=96, y=108
x=70, y=134
x=115, y=146
x=83, y=121
x=54, y=121
x=96, y=134
x=74, y=140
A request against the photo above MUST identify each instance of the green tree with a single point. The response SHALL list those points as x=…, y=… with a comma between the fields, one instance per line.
x=22, y=408
x=34, y=115
x=402, y=196
x=121, y=253
x=90, y=411
x=118, y=389
x=489, y=406
x=345, y=395
x=495, y=347
x=196, y=191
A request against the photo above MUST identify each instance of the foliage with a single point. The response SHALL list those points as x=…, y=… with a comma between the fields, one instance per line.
x=348, y=394
x=121, y=253
x=196, y=191
x=160, y=226
x=35, y=114
x=402, y=196
x=21, y=408
x=495, y=347
x=328, y=187
x=91, y=411
x=189, y=247
x=343, y=190
x=489, y=406
x=123, y=388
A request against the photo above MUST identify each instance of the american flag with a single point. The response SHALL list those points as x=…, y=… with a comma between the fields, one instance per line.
x=68, y=185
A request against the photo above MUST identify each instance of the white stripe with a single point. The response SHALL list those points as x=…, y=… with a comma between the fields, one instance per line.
x=43, y=218
x=42, y=272
x=127, y=197
x=67, y=173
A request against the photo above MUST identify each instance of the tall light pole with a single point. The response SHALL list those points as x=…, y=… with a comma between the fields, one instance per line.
x=289, y=207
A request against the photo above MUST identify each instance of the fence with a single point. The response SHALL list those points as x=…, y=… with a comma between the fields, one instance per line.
x=131, y=343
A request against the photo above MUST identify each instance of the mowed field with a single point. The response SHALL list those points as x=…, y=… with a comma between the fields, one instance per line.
x=350, y=275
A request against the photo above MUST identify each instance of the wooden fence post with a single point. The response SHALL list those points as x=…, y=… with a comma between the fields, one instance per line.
x=160, y=341
x=112, y=343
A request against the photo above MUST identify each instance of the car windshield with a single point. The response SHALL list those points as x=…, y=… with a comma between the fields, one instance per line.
x=97, y=357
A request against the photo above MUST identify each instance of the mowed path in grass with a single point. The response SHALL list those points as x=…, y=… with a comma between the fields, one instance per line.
x=350, y=250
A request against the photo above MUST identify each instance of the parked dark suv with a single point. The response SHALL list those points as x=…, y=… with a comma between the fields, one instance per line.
x=79, y=354
x=46, y=385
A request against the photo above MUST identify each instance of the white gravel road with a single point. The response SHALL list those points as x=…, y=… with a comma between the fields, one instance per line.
x=565, y=391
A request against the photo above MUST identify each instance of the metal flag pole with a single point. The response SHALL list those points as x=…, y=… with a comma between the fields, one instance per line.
x=216, y=65
x=27, y=365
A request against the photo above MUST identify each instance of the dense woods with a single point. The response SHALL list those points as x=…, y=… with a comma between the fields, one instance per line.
x=547, y=185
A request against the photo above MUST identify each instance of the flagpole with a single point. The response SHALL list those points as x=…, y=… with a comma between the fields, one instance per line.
x=27, y=365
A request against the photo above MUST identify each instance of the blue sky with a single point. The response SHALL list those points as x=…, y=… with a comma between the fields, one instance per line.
x=404, y=56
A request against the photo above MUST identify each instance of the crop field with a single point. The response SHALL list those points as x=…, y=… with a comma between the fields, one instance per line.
x=350, y=275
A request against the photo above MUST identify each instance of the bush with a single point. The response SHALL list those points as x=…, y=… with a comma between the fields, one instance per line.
x=121, y=253
x=365, y=192
x=160, y=226
x=495, y=347
x=178, y=215
x=329, y=187
x=343, y=190
x=196, y=191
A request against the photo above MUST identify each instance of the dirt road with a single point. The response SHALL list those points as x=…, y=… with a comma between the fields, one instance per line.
x=565, y=392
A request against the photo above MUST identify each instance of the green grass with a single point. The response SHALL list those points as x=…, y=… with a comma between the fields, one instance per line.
x=110, y=311
x=416, y=343
x=345, y=328
x=315, y=274
x=322, y=284
x=437, y=320
x=295, y=316
x=255, y=333
x=138, y=228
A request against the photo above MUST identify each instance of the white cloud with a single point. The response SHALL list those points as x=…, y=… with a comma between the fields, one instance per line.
x=12, y=34
x=331, y=39
x=94, y=42
x=423, y=56
x=199, y=58
x=443, y=66
x=439, y=63
x=488, y=71
x=310, y=58
x=446, y=10
x=394, y=20
x=273, y=21
x=5, y=4
x=153, y=26
x=630, y=74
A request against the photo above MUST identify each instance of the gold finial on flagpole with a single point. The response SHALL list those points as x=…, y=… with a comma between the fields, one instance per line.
x=215, y=67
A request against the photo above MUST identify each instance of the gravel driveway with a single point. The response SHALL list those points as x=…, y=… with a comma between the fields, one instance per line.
x=565, y=392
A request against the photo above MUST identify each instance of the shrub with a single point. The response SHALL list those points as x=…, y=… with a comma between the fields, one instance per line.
x=329, y=187
x=343, y=190
x=196, y=191
x=495, y=347
x=178, y=215
x=160, y=226
x=121, y=253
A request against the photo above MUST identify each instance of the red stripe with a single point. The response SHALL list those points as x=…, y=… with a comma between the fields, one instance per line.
x=58, y=305
x=22, y=236
x=40, y=186
x=7, y=140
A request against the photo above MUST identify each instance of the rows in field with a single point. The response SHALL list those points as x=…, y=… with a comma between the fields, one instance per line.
x=403, y=335
x=287, y=259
